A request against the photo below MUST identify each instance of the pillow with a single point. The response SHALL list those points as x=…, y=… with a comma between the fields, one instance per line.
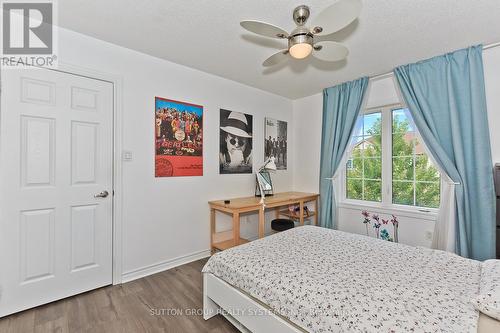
x=488, y=300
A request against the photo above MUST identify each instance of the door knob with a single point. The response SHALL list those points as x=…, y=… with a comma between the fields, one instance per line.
x=103, y=194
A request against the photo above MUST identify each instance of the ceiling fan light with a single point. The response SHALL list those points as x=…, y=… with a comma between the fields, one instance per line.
x=300, y=51
x=300, y=44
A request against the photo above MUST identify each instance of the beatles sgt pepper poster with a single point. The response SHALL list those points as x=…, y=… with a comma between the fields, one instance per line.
x=178, y=138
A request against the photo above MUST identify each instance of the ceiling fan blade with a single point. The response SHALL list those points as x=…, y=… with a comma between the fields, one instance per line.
x=330, y=51
x=337, y=16
x=326, y=38
x=264, y=29
x=276, y=58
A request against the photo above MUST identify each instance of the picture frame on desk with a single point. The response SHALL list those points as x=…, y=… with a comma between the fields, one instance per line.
x=267, y=184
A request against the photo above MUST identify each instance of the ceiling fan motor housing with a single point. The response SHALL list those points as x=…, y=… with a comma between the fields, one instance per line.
x=300, y=38
x=300, y=43
x=301, y=34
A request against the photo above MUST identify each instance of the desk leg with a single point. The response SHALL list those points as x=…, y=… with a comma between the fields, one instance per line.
x=277, y=212
x=262, y=221
x=212, y=230
x=236, y=229
x=316, y=212
x=301, y=213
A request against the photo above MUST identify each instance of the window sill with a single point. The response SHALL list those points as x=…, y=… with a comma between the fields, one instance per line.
x=412, y=212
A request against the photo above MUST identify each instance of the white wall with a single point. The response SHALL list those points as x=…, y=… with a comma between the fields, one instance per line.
x=307, y=131
x=168, y=218
x=491, y=59
x=307, y=115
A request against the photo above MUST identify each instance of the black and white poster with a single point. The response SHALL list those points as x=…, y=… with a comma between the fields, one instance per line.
x=275, y=143
x=235, y=151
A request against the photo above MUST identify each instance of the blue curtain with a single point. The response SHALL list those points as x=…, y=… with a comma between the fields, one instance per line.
x=341, y=106
x=446, y=98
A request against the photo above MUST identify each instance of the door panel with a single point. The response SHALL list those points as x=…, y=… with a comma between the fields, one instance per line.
x=36, y=245
x=56, y=153
x=84, y=99
x=37, y=151
x=84, y=152
x=83, y=238
x=38, y=91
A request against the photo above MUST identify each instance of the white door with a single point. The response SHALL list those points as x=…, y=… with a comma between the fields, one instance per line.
x=56, y=155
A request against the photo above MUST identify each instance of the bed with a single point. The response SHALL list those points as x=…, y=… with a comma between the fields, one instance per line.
x=311, y=279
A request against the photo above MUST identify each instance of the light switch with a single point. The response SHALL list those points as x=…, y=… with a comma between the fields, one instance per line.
x=127, y=156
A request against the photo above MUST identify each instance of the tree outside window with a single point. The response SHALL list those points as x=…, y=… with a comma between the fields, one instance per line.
x=415, y=181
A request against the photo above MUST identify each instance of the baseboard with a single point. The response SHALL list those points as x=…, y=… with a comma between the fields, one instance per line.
x=163, y=266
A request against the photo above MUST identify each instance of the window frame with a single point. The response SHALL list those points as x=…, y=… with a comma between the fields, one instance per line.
x=386, y=202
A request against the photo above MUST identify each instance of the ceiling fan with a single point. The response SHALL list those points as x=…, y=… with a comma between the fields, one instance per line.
x=303, y=40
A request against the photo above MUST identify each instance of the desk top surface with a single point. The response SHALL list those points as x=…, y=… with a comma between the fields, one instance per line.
x=276, y=199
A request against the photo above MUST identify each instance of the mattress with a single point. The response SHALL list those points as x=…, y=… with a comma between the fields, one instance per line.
x=324, y=280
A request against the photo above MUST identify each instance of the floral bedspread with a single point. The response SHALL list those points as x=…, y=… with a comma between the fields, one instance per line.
x=331, y=281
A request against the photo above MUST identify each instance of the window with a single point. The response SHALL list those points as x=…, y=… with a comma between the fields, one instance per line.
x=388, y=155
x=364, y=171
x=415, y=180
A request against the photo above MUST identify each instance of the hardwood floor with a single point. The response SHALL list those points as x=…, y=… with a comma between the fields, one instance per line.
x=150, y=304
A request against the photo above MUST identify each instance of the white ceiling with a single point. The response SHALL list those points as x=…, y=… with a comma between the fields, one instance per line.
x=206, y=35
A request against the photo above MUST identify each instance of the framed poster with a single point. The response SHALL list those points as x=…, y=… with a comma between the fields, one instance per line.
x=235, y=142
x=178, y=138
x=276, y=142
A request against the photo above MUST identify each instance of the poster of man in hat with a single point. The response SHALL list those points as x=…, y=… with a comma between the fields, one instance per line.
x=178, y=138
x=235, y=145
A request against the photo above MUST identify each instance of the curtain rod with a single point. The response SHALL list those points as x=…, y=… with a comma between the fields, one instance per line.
x=385, y=75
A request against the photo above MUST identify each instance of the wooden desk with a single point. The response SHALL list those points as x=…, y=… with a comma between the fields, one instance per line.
x=237, y=206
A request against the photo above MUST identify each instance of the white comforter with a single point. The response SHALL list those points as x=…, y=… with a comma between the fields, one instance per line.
x=330, y=281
